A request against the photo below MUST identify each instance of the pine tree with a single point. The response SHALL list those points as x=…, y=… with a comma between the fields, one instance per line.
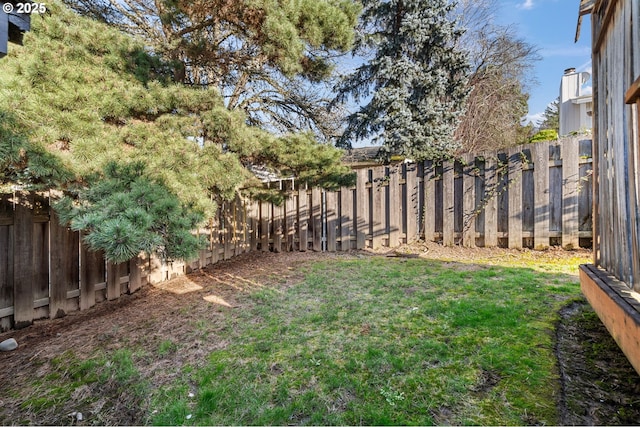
x=84, y=108
x=416, y=78
x=551, y=116
x=125, y=212
x=266, y=57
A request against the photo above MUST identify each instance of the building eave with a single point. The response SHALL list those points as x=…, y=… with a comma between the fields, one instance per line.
x=586, y=6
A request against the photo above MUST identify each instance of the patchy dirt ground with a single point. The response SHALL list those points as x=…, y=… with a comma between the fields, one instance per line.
x=598, y=384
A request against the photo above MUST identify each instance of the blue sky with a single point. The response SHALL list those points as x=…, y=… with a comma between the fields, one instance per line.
x=550, y=25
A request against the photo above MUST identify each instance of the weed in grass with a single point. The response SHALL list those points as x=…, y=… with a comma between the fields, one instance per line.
x=392, y=396
x=167, y=347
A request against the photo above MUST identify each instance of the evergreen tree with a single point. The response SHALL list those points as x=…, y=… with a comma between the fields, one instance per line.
x=551, y=116
x=125, y=212
x=416, y=78
x=262, y=55
x=86, y=101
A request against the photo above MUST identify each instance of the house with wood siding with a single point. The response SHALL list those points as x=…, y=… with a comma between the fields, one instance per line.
x=612, y=283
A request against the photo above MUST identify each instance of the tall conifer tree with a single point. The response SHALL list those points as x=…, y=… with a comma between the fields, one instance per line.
x=415, y=81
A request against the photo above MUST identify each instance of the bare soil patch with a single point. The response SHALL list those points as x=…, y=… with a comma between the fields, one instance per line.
x=599, y=386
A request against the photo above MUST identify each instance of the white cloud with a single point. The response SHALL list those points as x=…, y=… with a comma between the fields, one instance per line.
x=536, y=119
x=527, y=5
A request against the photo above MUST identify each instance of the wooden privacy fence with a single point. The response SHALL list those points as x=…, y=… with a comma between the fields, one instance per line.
x=531, y=196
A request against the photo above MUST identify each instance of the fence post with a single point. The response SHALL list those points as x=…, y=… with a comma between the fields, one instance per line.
x=135, y=274
x=265, y=208
x=253, y=213
x=491, y=200
x=277, y=228
x=6, y=261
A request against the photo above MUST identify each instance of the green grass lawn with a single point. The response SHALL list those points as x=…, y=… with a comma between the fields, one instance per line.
x=386, y=341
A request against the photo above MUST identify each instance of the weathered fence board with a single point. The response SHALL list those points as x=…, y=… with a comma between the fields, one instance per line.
x=277, y=228
x=290, y=220
x=469, y=202
x=303, y=219
x=346, y=218
x=515, y=198
x=316, y=219
x=394, y=207
x=362, y=207
x=332, y=210
x=490, y=202
x=412, y=202
x=377, y=213
x=570, y=182
x=540, y=158
x=448, y=203
x=23, y=263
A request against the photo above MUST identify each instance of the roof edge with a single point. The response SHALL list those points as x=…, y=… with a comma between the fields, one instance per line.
x=585, y=8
